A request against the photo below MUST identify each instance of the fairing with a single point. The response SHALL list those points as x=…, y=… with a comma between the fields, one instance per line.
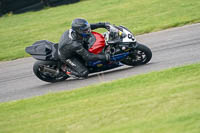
x=98, y=45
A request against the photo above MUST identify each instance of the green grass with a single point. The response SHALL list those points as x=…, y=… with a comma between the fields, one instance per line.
x=158, y=102
x=19, y=31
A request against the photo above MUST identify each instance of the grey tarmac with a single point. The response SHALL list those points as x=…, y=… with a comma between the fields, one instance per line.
x=171, y=48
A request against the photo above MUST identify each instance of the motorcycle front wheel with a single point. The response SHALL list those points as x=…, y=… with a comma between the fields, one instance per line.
x=45, y=71
x=139, y=56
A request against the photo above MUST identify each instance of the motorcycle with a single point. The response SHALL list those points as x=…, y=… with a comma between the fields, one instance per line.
x=118, y=41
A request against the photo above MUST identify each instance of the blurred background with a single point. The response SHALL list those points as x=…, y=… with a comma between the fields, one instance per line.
x=19, y=30
x=21, y=6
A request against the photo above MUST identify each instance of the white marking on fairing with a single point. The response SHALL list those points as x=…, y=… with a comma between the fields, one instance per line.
x=127, y=39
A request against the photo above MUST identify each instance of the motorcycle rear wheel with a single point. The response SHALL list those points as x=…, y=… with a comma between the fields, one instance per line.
x=140, y=55
x=47, y=76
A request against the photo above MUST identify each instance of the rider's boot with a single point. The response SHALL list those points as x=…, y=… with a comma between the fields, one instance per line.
x=75, y=74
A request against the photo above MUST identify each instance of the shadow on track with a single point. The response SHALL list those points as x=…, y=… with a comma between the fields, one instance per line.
x=90, y=77
x=95, y=76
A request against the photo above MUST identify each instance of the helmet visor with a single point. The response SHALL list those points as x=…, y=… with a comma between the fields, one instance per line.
x=85, y=30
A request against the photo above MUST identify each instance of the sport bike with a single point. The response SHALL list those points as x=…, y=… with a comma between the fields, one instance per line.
x=119, y=42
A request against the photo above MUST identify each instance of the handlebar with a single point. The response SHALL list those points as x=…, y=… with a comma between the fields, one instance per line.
x=114, y=29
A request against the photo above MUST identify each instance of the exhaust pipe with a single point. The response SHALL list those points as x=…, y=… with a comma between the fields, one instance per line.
x=50, y=70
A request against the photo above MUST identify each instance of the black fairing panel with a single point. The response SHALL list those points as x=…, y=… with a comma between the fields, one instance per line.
x=43, y=50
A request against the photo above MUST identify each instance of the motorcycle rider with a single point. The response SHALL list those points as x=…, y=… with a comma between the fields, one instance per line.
x=73, y=47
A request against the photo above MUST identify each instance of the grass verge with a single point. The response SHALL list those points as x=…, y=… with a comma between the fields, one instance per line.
x=19, y=31
x=158, y=102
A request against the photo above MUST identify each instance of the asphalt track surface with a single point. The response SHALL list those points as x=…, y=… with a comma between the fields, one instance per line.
x=171, y=48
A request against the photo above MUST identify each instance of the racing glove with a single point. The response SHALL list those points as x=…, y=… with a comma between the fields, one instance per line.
x=107, y=26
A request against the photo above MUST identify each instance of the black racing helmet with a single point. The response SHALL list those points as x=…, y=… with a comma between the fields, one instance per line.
x=81, y=26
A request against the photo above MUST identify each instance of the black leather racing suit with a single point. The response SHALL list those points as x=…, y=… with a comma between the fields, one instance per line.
x=71, y=47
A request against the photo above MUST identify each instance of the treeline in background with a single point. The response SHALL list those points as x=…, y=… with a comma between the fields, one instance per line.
x=21, y=6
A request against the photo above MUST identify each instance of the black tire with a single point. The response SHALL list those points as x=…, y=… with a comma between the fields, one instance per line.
x=46, y=76
x=140, y=55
